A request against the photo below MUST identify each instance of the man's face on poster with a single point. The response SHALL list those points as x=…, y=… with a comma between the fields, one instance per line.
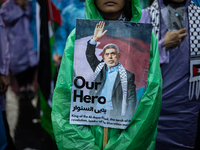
x=111, y=57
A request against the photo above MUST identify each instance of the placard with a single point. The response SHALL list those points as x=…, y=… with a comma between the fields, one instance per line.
x=110, y=74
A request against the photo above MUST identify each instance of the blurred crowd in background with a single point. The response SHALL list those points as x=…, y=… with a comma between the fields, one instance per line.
x=34, y=41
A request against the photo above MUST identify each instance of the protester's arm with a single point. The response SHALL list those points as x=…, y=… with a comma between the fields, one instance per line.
x=57, y=59
x=61, y=35
x=164, y=54
x=3, y=83
x=173, y=39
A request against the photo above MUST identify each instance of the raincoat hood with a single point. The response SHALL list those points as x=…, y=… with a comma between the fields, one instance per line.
x=91, y=11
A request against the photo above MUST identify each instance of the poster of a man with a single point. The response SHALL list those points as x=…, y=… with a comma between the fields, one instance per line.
x=116, y=83
x=110, y=65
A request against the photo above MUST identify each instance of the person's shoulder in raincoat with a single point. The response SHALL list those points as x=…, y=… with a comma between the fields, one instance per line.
x=17, y=20
x=142, y=130
x=69, y=15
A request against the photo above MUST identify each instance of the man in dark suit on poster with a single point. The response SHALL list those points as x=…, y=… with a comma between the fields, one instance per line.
x=117, y=84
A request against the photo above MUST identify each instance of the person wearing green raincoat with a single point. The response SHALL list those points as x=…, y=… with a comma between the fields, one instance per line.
x=141, y=132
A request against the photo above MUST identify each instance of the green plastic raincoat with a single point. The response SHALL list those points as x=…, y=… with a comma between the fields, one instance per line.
x=142, y=130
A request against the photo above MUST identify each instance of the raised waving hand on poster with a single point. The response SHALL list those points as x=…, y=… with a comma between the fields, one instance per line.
x=98, y=32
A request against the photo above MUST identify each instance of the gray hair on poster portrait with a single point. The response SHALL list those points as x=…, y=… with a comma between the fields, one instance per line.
x=111, y=45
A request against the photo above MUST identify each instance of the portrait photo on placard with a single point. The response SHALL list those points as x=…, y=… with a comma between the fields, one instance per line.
x=110, y=71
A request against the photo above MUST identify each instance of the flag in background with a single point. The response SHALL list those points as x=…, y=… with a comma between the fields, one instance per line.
x=47, y=19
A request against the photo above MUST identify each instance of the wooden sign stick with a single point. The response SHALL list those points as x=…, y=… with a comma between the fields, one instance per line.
x=105, y=137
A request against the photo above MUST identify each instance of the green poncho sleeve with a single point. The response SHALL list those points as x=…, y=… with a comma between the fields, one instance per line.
x=142, y=130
